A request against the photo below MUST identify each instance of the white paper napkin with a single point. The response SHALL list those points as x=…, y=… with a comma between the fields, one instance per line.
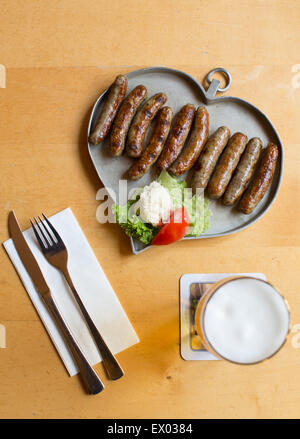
x=92, y=286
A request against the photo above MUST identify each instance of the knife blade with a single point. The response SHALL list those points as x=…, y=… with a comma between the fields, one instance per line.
x=26, y=255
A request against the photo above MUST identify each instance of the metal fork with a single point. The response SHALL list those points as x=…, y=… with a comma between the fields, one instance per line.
x=57, y=255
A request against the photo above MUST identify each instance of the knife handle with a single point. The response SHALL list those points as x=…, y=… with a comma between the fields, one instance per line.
x=91, y=380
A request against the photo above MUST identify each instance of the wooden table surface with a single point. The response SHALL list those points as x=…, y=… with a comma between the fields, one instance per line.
x=58, y=57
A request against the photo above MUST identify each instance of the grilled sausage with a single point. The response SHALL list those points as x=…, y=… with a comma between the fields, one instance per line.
x=243, y=172
x=141, y=122
x=226, y=165
x=208, y=159
x=179, y=131
x=155, y=146
x=124, y=117
x=114, y=99
x=195, y=143
x=261, y=181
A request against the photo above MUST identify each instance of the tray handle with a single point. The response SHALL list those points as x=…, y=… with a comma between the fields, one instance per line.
x=214, y=84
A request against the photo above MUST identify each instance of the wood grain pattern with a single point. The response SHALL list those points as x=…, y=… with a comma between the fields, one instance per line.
x=59, y=57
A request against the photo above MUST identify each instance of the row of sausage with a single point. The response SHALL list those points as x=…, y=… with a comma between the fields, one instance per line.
x=224, y=165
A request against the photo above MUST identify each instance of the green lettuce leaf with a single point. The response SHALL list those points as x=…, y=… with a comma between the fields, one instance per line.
x=132, y=224
x=174, y=187
x=199, y=214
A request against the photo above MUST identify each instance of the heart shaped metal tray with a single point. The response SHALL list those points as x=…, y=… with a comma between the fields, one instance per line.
x=236, y=113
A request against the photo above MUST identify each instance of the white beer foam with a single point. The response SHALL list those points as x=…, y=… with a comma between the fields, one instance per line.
x=246, y=320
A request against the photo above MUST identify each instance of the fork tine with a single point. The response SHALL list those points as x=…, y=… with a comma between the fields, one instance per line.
x=53, y=229
x=49, y=243
x=53, y=242
x=42, y=245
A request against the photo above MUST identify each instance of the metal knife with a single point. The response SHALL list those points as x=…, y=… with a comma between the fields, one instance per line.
x=91, y=380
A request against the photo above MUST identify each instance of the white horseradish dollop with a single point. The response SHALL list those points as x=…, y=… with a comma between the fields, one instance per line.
x=155, y=204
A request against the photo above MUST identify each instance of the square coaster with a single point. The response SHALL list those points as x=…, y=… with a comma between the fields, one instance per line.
x=192, y=288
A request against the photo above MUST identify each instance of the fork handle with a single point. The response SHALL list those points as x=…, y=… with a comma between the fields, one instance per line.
x=91, y=380
x=110, y=362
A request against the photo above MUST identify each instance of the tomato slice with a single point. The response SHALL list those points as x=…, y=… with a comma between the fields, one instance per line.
x=174, y=230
